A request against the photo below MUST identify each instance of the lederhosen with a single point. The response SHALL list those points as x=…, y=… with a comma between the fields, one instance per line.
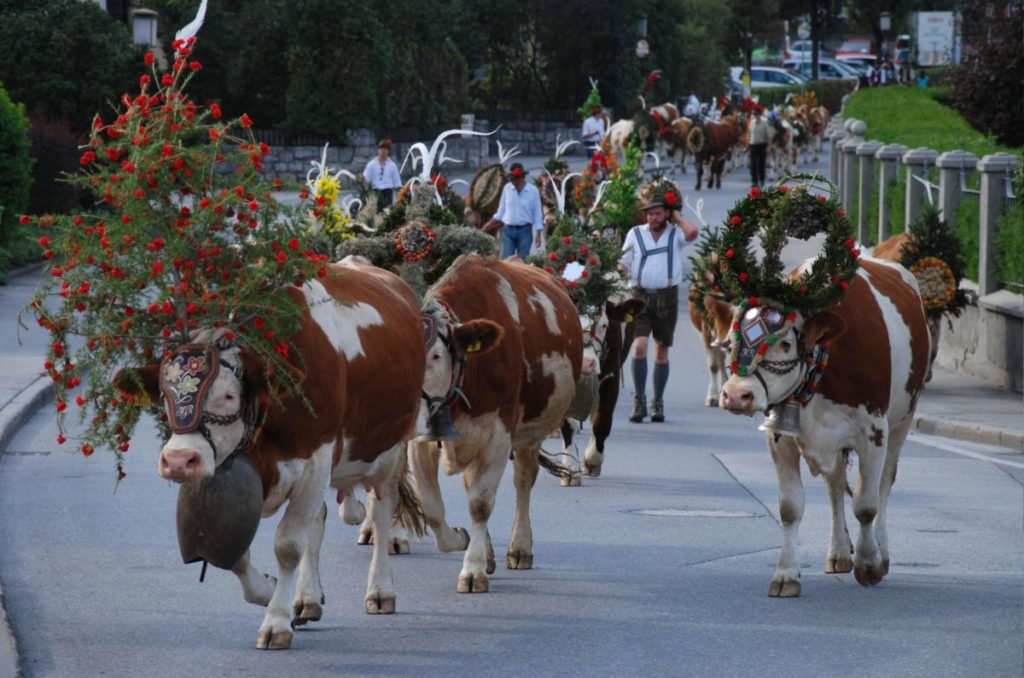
x=662, y=305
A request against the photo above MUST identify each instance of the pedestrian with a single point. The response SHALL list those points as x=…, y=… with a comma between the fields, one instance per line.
x=652, y=257
x=593, y=131
x=759, y=137
x=382, y=175
x=519, y=211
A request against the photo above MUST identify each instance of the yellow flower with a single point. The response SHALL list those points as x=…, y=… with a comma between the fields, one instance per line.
x=327, y=187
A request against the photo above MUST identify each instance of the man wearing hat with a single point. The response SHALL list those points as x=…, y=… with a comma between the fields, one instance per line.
x=381, y=174
x=759, y=138
x=520, y=212
x=593, y=131
x=652, y=256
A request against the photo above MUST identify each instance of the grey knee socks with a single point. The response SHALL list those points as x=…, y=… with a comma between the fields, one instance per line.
x=660, y=379
x=640, y=375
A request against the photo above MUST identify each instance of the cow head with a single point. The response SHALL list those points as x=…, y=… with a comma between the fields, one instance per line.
x=772, y=352
x=209, y=413
x=449, y=344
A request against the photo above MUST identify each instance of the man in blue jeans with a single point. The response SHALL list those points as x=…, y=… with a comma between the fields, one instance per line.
x=520, y=212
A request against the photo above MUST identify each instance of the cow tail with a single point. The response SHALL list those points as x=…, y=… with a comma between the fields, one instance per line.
x=553, y=467
x=695, y=140
x=408, y=510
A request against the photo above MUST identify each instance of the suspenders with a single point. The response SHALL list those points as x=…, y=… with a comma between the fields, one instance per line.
x=644, y=252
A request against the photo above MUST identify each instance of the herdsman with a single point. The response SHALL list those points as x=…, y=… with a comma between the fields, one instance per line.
x=652, y=256
x=382, y=174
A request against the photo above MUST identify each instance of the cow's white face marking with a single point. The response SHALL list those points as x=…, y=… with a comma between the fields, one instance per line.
x=178, y=460
x=508, y=295
x=340, y=322
x=437, y=378
x=779, y=386
x=539, y=298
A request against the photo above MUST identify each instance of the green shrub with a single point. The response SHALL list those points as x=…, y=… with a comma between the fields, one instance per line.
x=15, y=180
x=967, y=215
x=1010, y=248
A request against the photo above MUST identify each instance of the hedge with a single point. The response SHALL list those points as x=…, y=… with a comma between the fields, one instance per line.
x=15, y=181
x=829, y=92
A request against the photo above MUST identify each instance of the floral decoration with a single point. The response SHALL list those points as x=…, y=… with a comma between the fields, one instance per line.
x=414, y=241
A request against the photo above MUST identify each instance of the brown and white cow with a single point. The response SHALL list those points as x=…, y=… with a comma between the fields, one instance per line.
x=514, y=396
x=606, y=338
x=361, y=367
x=712, y=320
x=719, y=139
x=864, y=403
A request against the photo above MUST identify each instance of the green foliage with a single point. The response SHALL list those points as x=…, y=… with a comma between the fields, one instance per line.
x=572, y=241
x=930, y=236
x=829, y=93
x=1010, y=247
x=593, y=99
x=910, y=116
x=966, y=220
x=64, y=59
x=15, y=178
x=620, y=203
x=185, y=236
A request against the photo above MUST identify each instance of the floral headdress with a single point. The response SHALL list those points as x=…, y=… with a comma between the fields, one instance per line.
x=661, y=193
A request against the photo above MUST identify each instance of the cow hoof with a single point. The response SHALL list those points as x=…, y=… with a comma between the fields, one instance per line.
x=473, y=583
x=592, y=470
x=365, y=537
x=517, y=560
x=837, y=565
x=784, y=588
x=711, y=402
x=491, y=564
x=398, y=547
x=868, y=575
x=380, y=603
x=273, y=640
x=572, y=481
x=305, y=613
x=885, y=565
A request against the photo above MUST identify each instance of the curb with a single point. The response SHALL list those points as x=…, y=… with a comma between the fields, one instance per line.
x=1000, y=437
x=13, y=416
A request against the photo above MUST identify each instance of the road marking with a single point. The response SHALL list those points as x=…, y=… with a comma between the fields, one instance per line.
x=949, y=447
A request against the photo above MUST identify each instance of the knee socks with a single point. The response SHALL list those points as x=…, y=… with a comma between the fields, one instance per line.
x=640, y=375
x=660, y=379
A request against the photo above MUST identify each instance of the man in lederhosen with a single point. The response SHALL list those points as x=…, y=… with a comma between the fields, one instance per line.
x=652, y=256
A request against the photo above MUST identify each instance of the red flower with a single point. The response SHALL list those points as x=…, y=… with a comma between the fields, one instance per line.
x=148, y=59
x=755, y=192
x=730, y=253
x=246, y=121
x=87, y=158
x=194, y=66
x=783, y=189
x=215, y=111
x=158, y=268
x=743, y=276
x=736, y=220
x=282, y=257
x=61, y=439
x=167, y=80
x=553, y=257
x=670, y=199
x=24, y=219
x=822, y=198
x=753, y=301
x=855, y=253
x=87, y=449
x=592, y=261
x=849, y=243
x=44, y=242
x=567, y=239
x=125, y=219
x=293, y=244
x=844, y=286
x=214, y=134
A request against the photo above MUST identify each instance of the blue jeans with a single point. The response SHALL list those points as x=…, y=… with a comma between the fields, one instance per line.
x=516, y=240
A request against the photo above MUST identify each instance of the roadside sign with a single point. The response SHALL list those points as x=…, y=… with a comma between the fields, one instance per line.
x=803, y=31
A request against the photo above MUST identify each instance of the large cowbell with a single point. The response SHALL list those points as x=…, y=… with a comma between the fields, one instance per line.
x=783, y=419
x=440, y=427
x=218, y=516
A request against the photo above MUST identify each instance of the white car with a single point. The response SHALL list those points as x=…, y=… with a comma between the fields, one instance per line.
x=767, y=76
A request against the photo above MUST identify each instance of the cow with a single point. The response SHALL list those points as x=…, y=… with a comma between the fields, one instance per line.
x=509, y=399
x=817, y=121
x=891, y=249
x=712, y=320
x=359, y=357
x=719, y=138
x=677, y=137
x=606, y=337
x=782, y=146
x=662, y=118
x=878, y=357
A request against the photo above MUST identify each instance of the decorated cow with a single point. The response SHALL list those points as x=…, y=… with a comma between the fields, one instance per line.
x=716, y=144
x=507, y=350
x=836, y=353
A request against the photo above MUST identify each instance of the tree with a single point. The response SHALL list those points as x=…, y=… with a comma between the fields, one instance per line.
x=867, y=15
x=750, y=19
x=15, y=175
x=64, y=59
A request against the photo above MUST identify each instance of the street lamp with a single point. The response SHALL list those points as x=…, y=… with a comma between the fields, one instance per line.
x=641, y=27
x=642, y=49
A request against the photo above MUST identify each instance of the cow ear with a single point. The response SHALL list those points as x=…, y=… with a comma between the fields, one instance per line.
x=719, y=310
x=824, y=326
x=625, y=311
x=477, y=337
x=139, y=382
x=254, y=371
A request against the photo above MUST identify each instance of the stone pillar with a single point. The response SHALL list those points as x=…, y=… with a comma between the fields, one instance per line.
x=918, y=161
x=950, y=165
x=837, y=134
x=866, y=175
x=848, y=187
x=994, y=170
x=889, y=157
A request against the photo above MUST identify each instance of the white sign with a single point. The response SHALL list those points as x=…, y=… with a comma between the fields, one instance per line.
x=803, y=31
x=934, y=38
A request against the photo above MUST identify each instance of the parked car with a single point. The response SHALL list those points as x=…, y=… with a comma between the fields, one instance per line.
x=862, y=64
x=767, y=76
x=802, y=49
x=856, y=47
x=828, y=69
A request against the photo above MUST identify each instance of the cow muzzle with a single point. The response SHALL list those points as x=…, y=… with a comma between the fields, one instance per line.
x=180, y=465
x=737, y=401
x=589, y=365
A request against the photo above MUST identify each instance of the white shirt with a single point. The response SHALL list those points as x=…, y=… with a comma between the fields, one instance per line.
x=382, y=177
x=518, y=208
x=651, y=272
x=591, y=125
x=692, y=109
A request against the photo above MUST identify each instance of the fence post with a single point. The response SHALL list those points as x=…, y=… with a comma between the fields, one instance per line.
x=889, y=157
x=951, y=164
x=848, y=187
x=866, y=152
x=994, y=170
x=917, y=161
x=837, y=134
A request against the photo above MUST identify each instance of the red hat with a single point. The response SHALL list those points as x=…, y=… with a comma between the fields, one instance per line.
x=595, y=109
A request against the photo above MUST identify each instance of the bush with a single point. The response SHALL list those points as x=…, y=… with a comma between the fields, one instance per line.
x=55, y=152
x=64, y=59
x=15, y=180
x=1010, y=248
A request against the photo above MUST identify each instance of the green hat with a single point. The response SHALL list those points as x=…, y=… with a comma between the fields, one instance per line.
x=661, y=193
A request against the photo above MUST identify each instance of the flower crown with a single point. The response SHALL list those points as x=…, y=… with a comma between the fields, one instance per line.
x=661, y=193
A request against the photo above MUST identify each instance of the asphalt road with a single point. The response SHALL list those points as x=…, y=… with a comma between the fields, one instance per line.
x=659, y=567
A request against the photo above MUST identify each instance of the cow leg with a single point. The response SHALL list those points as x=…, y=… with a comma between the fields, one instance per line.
x=423, y=458
x=520, y=546
x=601, y=421
x=481, y=479
x=305, y=503
x=839, y=546
x=568, y=460
x=380, y=585
x=257, y=588
x=309, y=594
x=897, y=436
x=867, y=560
x=698, y=165
x=786, y=581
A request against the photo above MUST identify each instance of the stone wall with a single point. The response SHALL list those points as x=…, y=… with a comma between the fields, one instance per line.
x=535, y=138
x=986, y=341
